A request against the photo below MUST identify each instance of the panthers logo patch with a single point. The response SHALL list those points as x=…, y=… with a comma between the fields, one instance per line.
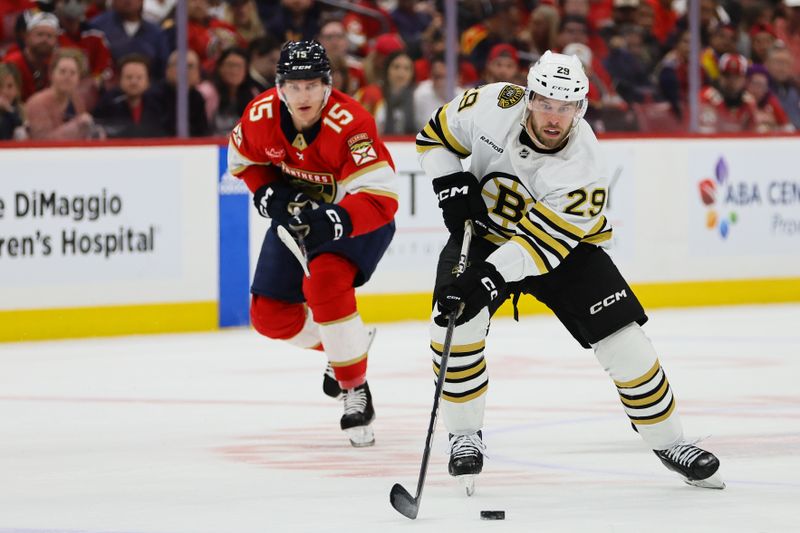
x=509, y=96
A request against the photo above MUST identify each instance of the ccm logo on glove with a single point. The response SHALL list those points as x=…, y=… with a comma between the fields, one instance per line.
x=452, y=192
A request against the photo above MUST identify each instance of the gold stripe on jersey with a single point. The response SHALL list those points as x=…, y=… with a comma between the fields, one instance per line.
x=464, y=397
x=348, y=362
x=455, y=146
x=556, y=247
x=538, y=260
x=362, y=171
x=598, y=227
x=378, y=192
x=641, y=380
x=553, y=220
x=597, y=239
x=428, y=130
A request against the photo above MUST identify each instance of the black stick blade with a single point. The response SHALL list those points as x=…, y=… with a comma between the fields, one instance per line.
x=403, y=502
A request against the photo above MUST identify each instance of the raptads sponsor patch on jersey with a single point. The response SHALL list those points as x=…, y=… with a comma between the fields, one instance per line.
x=361, y=149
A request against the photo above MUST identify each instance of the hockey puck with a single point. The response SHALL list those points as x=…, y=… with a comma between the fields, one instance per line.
x=493, y=515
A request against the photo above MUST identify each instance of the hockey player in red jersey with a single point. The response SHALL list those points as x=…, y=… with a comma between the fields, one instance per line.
x=311, y=156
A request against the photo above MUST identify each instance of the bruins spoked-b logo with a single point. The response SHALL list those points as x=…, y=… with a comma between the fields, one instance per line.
x=509, y=96
x=506, y=199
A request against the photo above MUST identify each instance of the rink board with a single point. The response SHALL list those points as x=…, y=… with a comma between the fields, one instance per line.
x=173, y=240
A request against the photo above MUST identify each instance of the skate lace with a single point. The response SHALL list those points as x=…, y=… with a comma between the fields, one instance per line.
x=684, y=454
x=355, y=401
x=466, y=446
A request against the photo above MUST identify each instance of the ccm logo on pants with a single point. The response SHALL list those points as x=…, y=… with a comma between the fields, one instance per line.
x=607, y=301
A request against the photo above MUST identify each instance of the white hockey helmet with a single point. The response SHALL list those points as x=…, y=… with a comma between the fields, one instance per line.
x=560, y=77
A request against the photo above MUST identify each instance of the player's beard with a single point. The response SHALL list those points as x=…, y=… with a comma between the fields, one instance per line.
x=544, y=139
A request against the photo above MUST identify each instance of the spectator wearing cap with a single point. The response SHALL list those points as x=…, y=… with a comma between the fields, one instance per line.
x=728, y=108
x=502, y=65
x=762, y=37
x=76, y=33
x=33, y=62
x=623, y=13
x=262, y=56
x=363, y=29
x=779, y=66
x=375, y=62
x=431, y=94
x=770, y=116
x=130, y=111
x=58, y=112
x=242, y=15
x=333, y=38
x=11, y=114
x=128, y=33
x=499, y=26
x=10, y=11
x=294, y=20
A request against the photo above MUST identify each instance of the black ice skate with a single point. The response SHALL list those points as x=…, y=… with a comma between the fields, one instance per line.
x=696, y=466
x=358, y=415
x=466, y=459
x=329, y=384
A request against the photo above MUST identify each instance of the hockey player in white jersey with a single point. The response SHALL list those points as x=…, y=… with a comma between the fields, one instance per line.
x=536, y=191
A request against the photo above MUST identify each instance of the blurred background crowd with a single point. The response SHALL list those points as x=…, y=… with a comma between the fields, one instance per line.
x=96, y=69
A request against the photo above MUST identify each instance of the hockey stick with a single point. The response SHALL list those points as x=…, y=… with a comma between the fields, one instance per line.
x=295, y=245
x=399, y=497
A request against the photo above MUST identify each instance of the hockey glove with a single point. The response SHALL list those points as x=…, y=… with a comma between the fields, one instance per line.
x=460, y=200
x=279, y=200
x=328, y=222
x=476, y=288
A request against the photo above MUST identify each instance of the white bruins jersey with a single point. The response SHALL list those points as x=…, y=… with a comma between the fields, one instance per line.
x=541, y=203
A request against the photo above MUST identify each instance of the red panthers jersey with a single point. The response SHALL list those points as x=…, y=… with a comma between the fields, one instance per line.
x=338, y=160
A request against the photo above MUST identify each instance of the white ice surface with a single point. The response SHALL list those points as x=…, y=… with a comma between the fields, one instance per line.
x=230, y=433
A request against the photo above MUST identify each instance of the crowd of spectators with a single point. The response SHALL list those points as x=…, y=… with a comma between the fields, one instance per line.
x=95, y=69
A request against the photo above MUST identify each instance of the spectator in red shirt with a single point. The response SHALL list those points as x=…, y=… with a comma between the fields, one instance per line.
x=10, y=10
x=77, y=34
x=770, y=116
x=729, y=108
x=362, y=29
x=209, y=36
x=33, y=62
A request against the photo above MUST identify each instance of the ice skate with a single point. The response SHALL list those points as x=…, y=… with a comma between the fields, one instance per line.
x=696, y=466
x=358, y=416
x=466, y=459
x=329, y=384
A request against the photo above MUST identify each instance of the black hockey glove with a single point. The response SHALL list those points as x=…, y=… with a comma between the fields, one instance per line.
x=460, y=200
x=279, y=200
x=476, y=288
x=328, y=222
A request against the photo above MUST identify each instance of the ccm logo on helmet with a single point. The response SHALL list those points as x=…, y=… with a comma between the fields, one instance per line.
x=453, y=191
x=607, y=301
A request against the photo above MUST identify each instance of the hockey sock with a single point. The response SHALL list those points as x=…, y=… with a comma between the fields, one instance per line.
x=467, y=380
x=330, y=294
x=630, y=359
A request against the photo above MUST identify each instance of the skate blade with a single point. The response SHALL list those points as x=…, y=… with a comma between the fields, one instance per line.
x=361, y=436
x=711, y=482
x=467, y=482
